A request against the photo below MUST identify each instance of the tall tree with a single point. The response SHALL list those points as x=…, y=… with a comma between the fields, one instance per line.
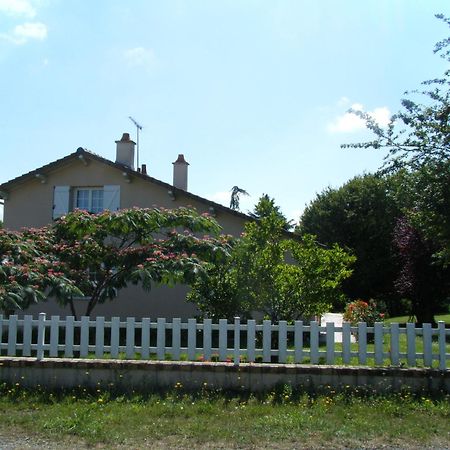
x=270, y=272
x=107, y=251
x=426, y=284
x=417, y=141
x=360, y=216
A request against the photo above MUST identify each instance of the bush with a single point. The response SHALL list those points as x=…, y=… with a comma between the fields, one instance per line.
x=361, y=311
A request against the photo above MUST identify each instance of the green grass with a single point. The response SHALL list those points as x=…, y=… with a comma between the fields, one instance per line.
x=280, y=419
x=405, y=319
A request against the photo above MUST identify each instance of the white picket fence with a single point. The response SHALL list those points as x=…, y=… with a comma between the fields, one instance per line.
x=223, y=341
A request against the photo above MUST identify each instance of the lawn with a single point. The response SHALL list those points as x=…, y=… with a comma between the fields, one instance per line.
x=404, y=319
x=279, y=419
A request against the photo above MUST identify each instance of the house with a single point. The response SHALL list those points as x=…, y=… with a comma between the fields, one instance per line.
x=88, y=181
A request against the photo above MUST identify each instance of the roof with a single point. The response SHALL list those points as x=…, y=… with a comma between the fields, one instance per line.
x=81, y=153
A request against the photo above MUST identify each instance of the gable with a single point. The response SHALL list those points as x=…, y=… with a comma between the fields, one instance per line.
x=37, y=198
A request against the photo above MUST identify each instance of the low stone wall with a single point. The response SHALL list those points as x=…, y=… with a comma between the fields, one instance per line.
x=144, y=376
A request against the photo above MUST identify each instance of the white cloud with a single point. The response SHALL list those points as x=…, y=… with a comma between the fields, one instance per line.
x=140, y=56
x=26, y=31
x=17, y=8
x=349, y=122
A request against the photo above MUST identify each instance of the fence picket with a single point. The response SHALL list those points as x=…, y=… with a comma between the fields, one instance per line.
x=1, y=333
x=41, y=337
x=129, y=339
x=145, y=338
x=27, y=334
x=267, y=340
x=251, y=340
x=115, y=337
x=99, y=337
x=379, y=353
x=362, y=343
x=330, y=342
x=427, y=345
x=223, y=332
x=395, y=356
x=54, y=336
x=314, y=343
x=411, y=344
x=68, y=347
x=84, y=337
x=160, y=338
x=192, y=338
x=346, y=342
x=12, y=335
x=282, y=341
x=176, y=338
x=441, y=338
x=298, y=341
x=237, y=341
x=207, y=339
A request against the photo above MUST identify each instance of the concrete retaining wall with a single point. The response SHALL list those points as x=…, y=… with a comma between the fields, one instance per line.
x=150, y=375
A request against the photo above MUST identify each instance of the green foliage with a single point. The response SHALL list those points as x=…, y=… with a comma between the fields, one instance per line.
x=107, y=251
x=29, y=272
x=418, y=141
x=95, y=255
x=361, y=311
x=270, y=272
x=360, y=216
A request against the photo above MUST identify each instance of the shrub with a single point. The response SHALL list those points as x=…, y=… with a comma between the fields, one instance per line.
x=361, y=311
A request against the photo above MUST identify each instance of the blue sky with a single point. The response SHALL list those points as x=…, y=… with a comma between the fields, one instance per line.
x=254, y=93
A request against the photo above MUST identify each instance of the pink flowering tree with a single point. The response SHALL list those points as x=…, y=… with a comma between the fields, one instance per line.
x=29, y=273
x=105, y=252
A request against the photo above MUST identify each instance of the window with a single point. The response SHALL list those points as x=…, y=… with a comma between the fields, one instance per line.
x=90, y=199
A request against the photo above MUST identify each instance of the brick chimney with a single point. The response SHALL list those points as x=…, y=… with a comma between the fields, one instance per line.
x=125, y=151
x=180, y=173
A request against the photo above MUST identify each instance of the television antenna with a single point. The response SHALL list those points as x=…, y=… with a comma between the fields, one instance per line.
x=138, y=127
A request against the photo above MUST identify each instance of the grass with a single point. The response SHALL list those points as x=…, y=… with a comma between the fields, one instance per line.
x=405, y=319
x=279, y=419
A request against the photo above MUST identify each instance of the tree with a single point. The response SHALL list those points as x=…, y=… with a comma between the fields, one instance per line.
x=105, y=252
x=28, y=273
x=270, y=272
x=360, y=216
x=418, y=142
x=426, y=284
x=95, y=255
x=236, y=192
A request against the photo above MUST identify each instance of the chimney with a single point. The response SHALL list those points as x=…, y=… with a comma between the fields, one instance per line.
x=125, y=151
x=180, y=173
x=144, y=169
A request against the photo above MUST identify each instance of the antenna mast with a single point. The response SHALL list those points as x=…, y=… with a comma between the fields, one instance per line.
x=138, y=127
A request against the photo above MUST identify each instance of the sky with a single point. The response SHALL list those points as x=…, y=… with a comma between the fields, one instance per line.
x=255, y=94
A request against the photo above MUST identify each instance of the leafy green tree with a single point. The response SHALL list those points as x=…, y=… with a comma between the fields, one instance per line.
x=360, y=216
x=271, y=272
x=418, y=142
x=105, y=252
x=95, y=255
x=426, y=284
x=28, y=272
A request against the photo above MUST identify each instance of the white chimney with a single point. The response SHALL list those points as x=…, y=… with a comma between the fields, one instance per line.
x=125, y=151
x=180, y=173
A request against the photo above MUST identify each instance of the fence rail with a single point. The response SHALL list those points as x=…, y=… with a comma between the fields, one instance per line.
x=226, y=341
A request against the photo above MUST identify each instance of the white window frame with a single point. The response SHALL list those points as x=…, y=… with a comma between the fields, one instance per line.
x=89, y=189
